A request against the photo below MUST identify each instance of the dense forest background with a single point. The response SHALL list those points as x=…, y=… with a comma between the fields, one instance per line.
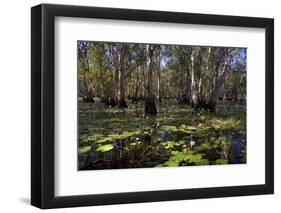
x=200, y=76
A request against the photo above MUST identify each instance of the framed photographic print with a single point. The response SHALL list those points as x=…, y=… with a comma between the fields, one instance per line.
x=139, y=106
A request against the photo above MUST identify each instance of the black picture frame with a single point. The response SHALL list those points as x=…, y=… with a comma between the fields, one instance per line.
x=43, y=105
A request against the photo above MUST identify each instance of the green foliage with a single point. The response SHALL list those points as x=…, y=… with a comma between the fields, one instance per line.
x=87, y=138
x=105, y=148
x=170, y=128
x=110, y=138
x=173, y=144
x=108, y=70
x=138, y=142
x=244, y=155
x=221, y=161
x=186, y=157
x=168, y=144
x=104, y=139
x=84, y=149
x=182, y=128
x=230, y=123
x=135, y=143
x=99, y=67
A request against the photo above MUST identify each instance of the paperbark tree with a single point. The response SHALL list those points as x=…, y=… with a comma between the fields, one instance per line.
x=158, y=75
x=114, y=70
x=121, y=84
x=150, y=107
x=183, y=55
x=193, y=89
x=219, y=83
x=196, y=75
x=88, y=97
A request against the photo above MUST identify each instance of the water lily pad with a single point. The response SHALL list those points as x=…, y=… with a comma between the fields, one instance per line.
x=105, y=148
x=221, y=161
x=84, y=149
x=135, y=143
x=186, y=156
x=188, y=128
x=104, y=139
x=168, y=144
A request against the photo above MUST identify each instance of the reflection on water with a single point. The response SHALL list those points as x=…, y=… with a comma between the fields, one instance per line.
x=177, y=136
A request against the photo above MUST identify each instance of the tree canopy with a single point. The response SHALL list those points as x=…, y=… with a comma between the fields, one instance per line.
x=196, y=75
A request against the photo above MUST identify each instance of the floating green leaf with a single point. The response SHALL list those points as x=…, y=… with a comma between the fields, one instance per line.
x=84, y=149
x=221, y=161
x=168, y=144
x=188, y=156
x=121, y=136
x=105, y=148
x=104, y=139
x=169, y=128
x=188, y=128
x=135, y=143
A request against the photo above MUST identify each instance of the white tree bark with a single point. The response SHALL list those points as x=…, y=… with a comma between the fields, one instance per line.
x=149, y=71
x=219, y=83
x=121, y=76
x=158, y=77
x=193, y=91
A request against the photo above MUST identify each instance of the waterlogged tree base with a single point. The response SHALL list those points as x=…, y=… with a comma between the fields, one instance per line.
x=122, y=104
x=88, y=99
x=150, y=107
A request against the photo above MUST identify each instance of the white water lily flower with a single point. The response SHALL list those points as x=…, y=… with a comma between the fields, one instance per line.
x=192, y=143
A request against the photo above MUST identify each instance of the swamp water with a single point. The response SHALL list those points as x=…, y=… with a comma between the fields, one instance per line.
x=111, y=138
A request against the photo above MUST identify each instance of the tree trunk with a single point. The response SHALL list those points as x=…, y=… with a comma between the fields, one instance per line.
x=158, y=77
x=218, y=86
x=121, y=77
x=88, y=97
x=183, y=93
x=193, y=91
x=143, y=82
x=187, y=84
x=150, y=107
x=114, y=71
x=136, y=86
x=237, y=85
